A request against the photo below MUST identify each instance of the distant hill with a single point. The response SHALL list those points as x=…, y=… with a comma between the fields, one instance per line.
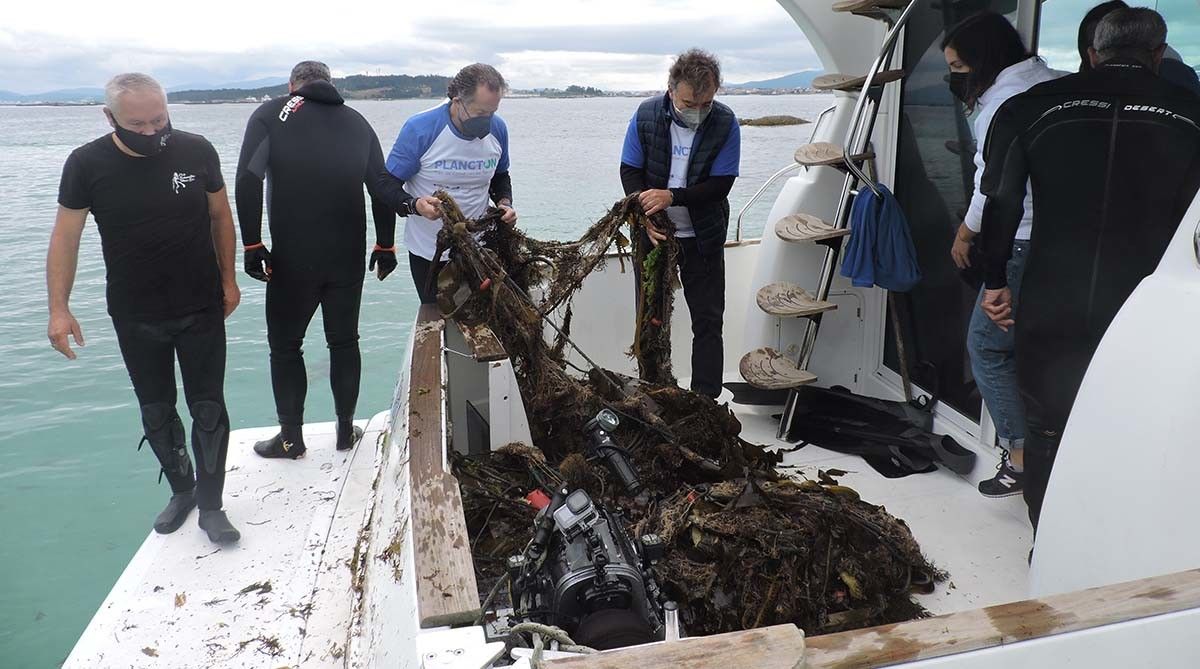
x=356, y=87
x=801, y=79
x=262, y=82
x=59, y=96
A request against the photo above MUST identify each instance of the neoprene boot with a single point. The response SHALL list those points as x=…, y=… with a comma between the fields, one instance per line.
x=216, y=524
x=176, y=511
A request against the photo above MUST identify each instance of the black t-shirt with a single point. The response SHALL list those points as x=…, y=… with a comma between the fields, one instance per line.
x=154, y=225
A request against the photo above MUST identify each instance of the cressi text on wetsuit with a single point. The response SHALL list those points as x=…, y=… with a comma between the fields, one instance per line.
x=1113, y=157
x=316, y=155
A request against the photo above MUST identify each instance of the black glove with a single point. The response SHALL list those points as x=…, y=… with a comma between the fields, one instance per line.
x=386, y=258
x=258, y=262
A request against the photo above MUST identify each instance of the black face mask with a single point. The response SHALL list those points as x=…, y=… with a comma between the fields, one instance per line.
x=477, y=126
x=145, y=145
x=959, y=82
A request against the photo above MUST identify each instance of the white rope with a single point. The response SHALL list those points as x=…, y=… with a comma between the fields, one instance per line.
x=565, y=643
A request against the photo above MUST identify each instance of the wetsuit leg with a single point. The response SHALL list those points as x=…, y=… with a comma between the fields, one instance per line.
x=148, y=351
x=292, y=300
x=420, y=274
x=703, y=279
x=200, y=346
x=340, y=302
x=1041, y=448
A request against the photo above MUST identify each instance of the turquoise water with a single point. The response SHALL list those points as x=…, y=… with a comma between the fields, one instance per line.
x=76, y=499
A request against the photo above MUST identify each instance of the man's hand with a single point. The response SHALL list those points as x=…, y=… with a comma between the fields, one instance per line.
x=258, y=262
x=231, y=296
x=510, y=214
x=997, y=304
x=429, y=207
x=654, y=233
x=62, y=323
x=960, y=252
x=655, y=200
x=386, y=258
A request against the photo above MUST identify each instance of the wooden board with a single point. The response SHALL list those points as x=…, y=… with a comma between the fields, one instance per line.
x=850, y=82
x=485, y=346
x=806, y=228
x=766, y=368
x=827, y=154
x=446, y=590
x=1005, y=624
x=790, y=300
x=867, y=5
x=778, y=647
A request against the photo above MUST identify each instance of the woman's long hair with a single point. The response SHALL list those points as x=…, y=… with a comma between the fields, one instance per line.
x=987, y=43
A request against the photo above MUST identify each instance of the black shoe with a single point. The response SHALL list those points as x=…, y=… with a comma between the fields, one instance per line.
x=175, y=512
x=1005, y=483
x=218, y=527
x=278, y=447
x=346, y=439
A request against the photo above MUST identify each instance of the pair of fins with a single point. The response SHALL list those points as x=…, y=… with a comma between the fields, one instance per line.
x=895, y=438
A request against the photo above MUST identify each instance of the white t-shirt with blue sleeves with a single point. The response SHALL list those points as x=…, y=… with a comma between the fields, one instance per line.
x=683, y=140
x=431, y=155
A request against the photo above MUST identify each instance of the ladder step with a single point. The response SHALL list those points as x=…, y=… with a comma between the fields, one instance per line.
x=790, y=300
x=858, y=6
x=766, y=368
x=806, y=228
x=827, y=154
x=850, y=82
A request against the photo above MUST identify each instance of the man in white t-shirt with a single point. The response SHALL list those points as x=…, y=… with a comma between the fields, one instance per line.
x=461, y=147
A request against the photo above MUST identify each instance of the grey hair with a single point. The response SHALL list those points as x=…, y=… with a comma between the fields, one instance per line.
x=308, y=71
x=127, y=82
x=698, y=68
x=470, y=78
x=1135, y=32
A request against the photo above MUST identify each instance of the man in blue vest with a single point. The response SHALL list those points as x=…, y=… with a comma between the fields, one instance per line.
x=681, y=153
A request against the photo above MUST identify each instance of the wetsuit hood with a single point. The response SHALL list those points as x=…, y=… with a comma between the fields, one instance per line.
x=320, y=91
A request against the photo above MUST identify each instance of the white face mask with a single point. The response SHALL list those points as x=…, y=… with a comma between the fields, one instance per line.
x=692, y=118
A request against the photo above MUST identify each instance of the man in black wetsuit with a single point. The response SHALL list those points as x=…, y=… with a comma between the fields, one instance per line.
x=316, y=154
x=167, y=235
x=1114, y=158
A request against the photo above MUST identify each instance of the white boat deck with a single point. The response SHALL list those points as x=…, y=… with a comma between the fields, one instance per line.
x=281, y=597
x=983, y=543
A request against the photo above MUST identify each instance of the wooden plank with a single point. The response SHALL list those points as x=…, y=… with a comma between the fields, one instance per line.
x=1005, y=624
x=485, y=346
x=853, y=83
x=766, y=368
x=446, y=590
x=777, y=647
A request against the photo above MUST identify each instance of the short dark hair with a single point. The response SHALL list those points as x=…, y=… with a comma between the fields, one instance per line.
x=1087, y=29
x=987, y=43
x=308, y=71
x=698, y=68
x=470, y=78
x=1134, y=33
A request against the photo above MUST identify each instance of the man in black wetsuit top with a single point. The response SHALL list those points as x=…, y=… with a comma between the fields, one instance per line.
x=316, y=154
x=167, y=235
x=1113, y=154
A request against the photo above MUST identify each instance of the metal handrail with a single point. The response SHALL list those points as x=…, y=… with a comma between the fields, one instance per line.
x=816, y=129
x=885, y=54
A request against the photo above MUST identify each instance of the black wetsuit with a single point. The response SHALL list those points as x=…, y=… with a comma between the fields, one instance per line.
x=163, y=293
x=316, y=155
x=1114, y=158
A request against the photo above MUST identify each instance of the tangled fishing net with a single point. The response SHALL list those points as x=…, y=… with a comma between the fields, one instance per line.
x=747, y=546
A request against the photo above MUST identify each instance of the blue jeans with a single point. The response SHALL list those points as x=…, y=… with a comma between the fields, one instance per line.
x=994, y=363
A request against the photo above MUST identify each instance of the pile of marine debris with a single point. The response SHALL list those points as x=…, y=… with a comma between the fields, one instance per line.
x=747, y=546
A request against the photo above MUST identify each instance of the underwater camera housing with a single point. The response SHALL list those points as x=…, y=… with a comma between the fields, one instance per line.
x=583, y=573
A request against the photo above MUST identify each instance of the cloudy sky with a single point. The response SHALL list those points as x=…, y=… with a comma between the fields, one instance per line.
x=614, y=44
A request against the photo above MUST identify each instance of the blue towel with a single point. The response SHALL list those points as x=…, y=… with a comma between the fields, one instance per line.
x=880, y=251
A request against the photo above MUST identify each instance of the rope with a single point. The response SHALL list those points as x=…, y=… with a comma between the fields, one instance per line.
x=565, y=643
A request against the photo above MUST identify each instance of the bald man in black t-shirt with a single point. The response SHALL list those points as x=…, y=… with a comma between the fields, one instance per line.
x=166, y=231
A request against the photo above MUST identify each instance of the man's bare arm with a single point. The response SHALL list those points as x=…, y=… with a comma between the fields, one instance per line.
x=224, y=240
x=61, y=262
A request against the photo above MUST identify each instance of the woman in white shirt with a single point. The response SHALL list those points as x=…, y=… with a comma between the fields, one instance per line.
x=988, y=65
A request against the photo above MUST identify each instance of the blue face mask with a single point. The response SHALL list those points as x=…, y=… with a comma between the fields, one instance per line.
x=476, y=126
